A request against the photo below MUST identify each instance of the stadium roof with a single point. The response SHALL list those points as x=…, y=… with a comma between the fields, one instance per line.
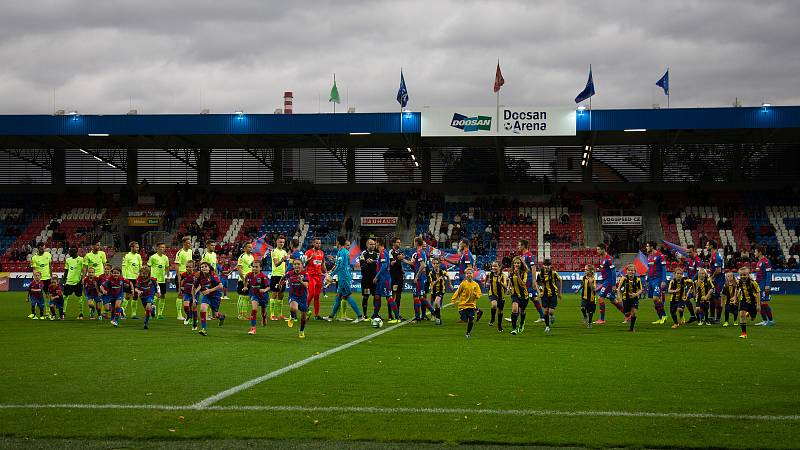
x=751, y=124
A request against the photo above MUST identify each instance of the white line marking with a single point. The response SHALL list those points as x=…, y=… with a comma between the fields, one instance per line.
x=379, y=410
x=276, y=373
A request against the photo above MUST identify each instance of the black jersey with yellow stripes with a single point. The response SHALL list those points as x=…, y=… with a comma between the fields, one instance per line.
x=496, y=283
x=548, y=281
x=629, y=286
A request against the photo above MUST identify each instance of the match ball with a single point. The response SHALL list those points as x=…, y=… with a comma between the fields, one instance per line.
x=377, y=322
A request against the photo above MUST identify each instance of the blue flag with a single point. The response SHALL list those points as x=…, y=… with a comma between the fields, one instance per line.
x=663, y=83
x=402, y=93
x=588, y=91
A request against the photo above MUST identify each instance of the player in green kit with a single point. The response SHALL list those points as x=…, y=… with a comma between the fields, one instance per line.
x=131, y=265
x=42, y=261
x=95, y=259
x=210, y=256
x=279, y=258
x=244, y=265
x=74, y=267
x=181, y=258
x=159, y=263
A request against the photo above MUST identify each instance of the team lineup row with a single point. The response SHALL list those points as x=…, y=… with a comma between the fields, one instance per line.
x=106, y=288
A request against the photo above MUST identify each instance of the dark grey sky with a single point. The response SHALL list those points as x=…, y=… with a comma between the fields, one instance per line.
x=165, y=56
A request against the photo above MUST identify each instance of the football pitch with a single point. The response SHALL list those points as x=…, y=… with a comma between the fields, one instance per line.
x=83, y=384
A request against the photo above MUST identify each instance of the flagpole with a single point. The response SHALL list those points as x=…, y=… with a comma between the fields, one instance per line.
x=401, y=103
x=497, y=117
x=337, y=91
x=670, y=87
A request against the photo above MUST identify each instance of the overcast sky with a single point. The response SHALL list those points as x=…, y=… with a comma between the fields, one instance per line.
x=178, y=56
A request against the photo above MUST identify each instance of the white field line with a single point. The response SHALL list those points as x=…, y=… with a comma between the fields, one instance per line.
x=445, y=411
x=276, y=373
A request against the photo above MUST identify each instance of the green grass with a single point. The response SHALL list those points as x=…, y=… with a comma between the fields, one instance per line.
x=693, y=369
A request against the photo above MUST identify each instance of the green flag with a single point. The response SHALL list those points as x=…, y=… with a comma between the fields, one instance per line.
x=334, y=92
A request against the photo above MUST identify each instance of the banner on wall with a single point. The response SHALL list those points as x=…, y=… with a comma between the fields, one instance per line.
x=511, y=121
x=378, y=221
x=622, y=221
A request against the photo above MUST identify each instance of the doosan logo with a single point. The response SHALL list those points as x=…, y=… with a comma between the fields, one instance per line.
x=468, y=124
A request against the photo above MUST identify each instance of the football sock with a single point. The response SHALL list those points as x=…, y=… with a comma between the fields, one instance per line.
x=591, y=313
x=397, y=296
x=522, y=319
x=602, y=309
x=376, y=306
x=33, y=309
x=203, y=317
x=118, y=313
x=547, y=320
x=660, y=309
x=393, y=307
x=52, y=310
x=147, y=313
x=426, y=306
x=194, y=318
x=766, y=310
x=514, y=317
x=619, y=306
x=364, y=302
x=41, y=311
x=134, y=308
x=61, y=311
x=186, y=312
x=179, y=304
x=253, y=315
x=539, y=309
x=417, y=306
x=499, y=320
x=744, y=326
x=438, y=312
x=302, y=321
x=469, y=325
x=336, y=305
x=354, y=306
x=494, y=313
x=633, y=322
x=674, y=318
x=583, y=312
x=690, y=307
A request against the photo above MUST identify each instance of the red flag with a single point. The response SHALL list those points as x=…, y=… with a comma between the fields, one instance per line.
x=498, y=78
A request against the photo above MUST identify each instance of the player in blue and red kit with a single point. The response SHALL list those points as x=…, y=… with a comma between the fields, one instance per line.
x=297, y=282
x=188, y=283
x=657, y=280
x=56, y=299
x=420, y=263
x=383, y=283
x=764, y=278
x=607, y=288
x=36, y=295
x=91, y=288
x=210, y=286
x=257, y=284
x=146, y=288
x=533, y=287
x=716, y=270
x=113, y=288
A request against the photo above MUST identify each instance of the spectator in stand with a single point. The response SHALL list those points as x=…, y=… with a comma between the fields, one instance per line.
x=564, y=219
x=546, y=237
x=348, y=226
x=792, y=263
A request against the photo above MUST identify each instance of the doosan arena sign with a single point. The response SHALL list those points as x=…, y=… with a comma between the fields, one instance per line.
x=516, y=121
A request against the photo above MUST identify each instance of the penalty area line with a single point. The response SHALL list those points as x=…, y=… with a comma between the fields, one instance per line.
x=444, y=411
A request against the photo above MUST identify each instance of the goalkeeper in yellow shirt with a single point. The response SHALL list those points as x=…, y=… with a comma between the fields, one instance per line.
x=466, y=296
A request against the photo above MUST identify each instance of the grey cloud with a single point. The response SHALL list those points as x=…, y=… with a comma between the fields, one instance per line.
x=164, y=56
